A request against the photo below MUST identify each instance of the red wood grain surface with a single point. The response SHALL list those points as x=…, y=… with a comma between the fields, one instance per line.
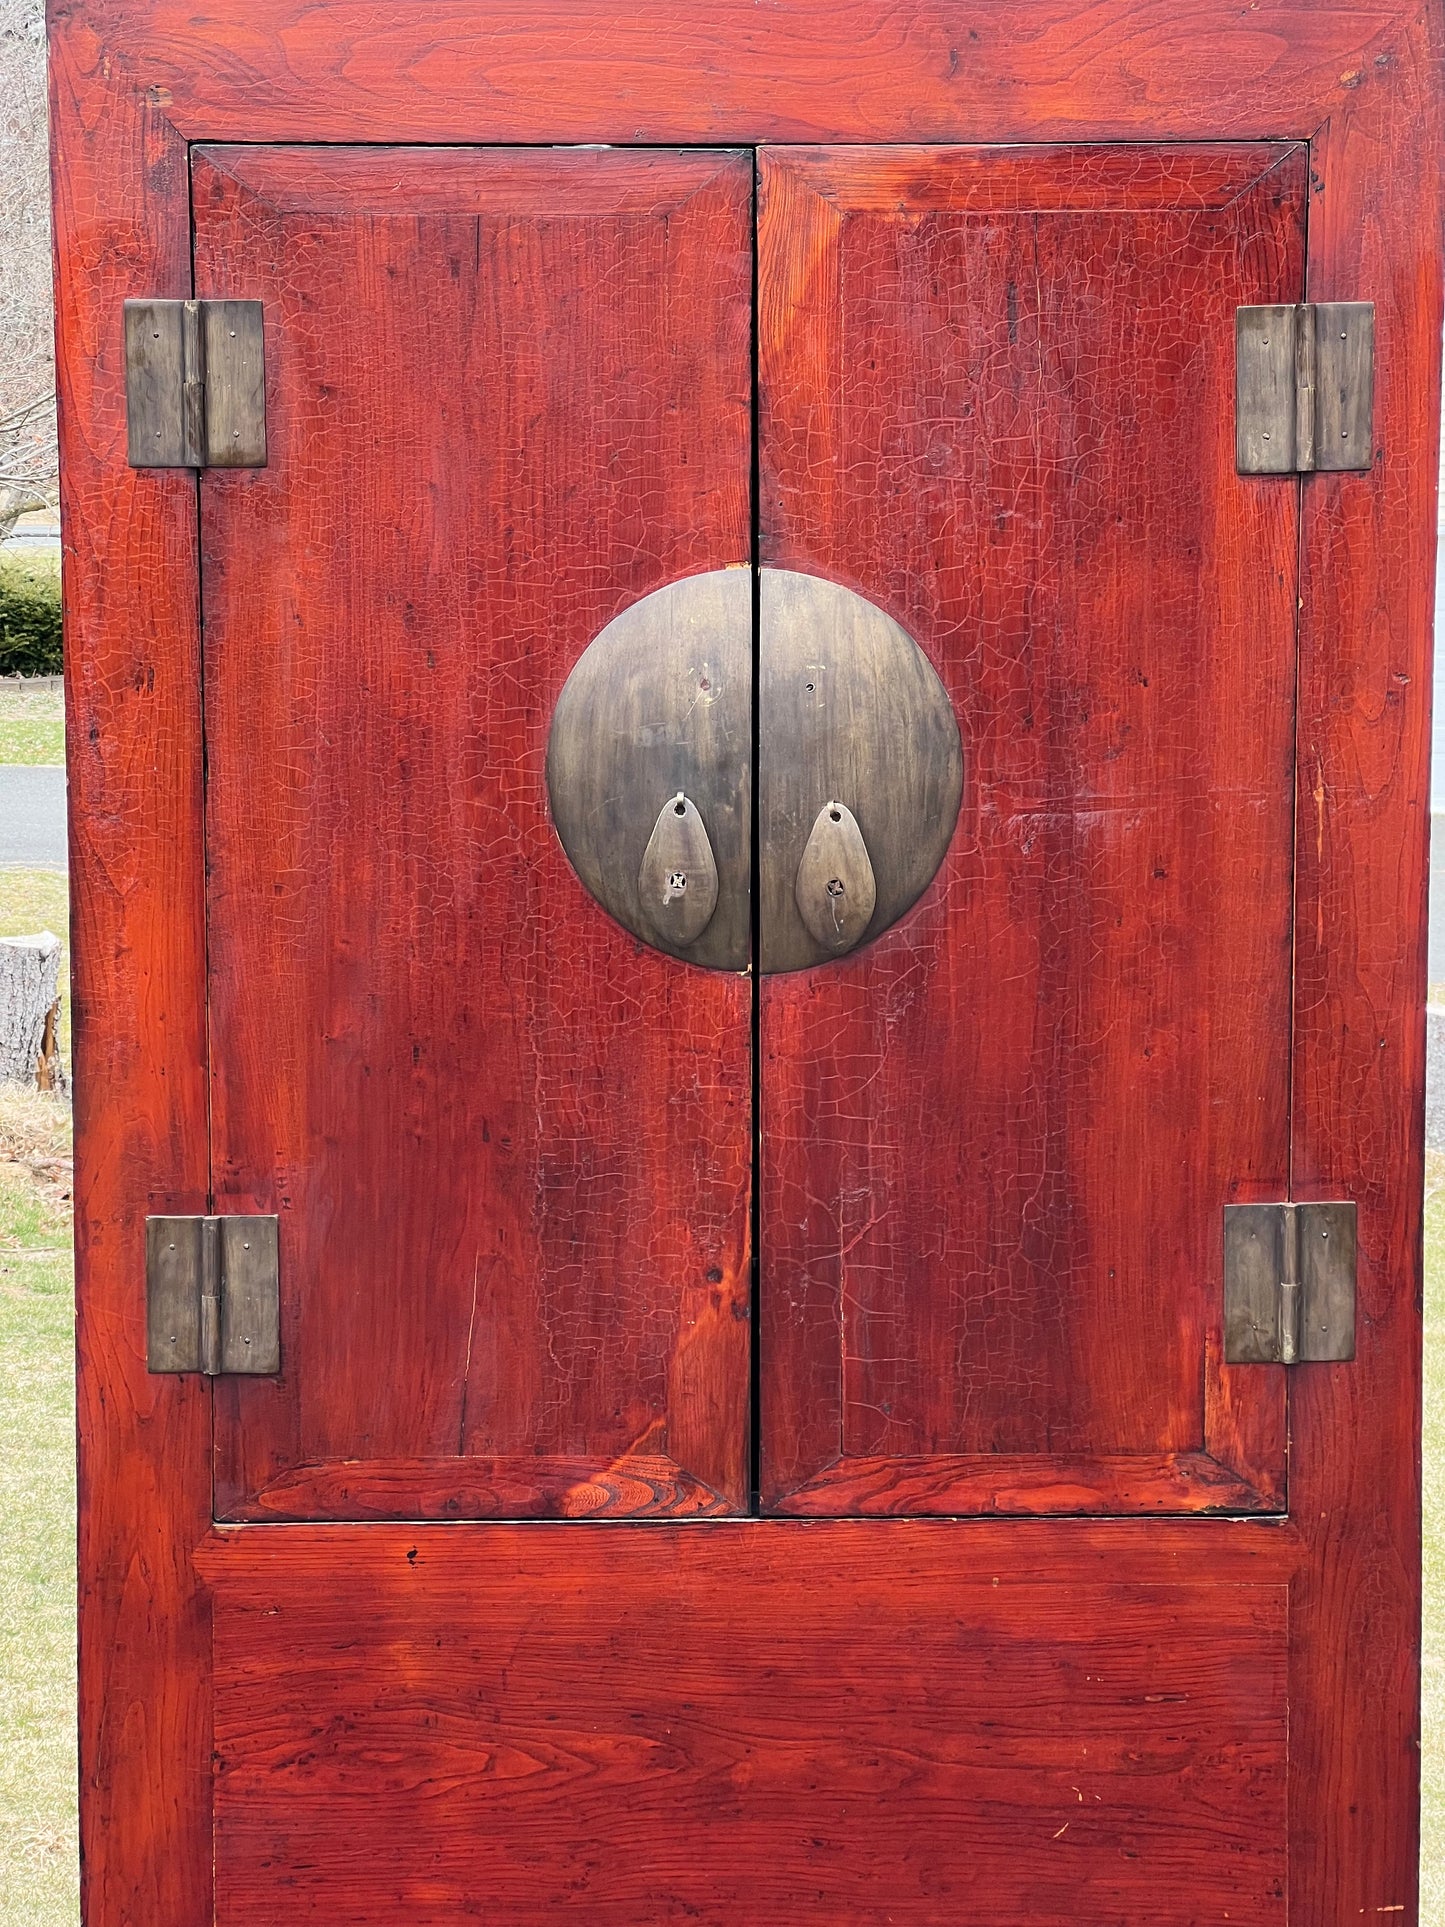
x=510, y=1146
x=133, y=750
x=1363, y=777
x=132, y=82
x=845, y=1730
x=997, y=400
x=808, y=70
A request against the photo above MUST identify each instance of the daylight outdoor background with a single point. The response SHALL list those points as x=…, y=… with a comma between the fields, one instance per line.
x=38, y=1872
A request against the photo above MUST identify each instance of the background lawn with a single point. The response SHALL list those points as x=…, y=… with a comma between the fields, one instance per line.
x=32, y=724
x=39, y=1878
x=39, y=1875
x=1432, y=1844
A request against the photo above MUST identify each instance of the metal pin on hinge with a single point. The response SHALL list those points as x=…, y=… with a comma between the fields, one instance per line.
x=210, y=1290
x=1289, y=1288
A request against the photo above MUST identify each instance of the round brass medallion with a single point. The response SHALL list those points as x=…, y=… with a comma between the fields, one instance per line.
x=859, y=758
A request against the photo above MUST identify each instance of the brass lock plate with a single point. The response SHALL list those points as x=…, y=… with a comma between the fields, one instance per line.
x=660, y=706
x=851, y=712
x=860, y=771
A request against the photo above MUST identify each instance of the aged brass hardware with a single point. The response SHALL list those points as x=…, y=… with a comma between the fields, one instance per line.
x=195, y=384
x=1289, y=1283
x=852, y=719
x=850, y=711
x=213, y=1295
x=677, y=884
x=835, y=889
x=659, y=705
x=1304, y=387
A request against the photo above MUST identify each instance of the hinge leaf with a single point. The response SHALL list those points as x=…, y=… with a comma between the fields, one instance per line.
x=1304, y=376
x=1289, y=1283
x=213, y=1298
x=195, y=384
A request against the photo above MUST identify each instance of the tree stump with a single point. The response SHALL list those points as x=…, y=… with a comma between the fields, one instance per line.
x=30, y=1011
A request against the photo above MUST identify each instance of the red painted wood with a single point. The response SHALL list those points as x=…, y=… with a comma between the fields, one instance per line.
x=808, y=70
x=1368, y=556
x=509, y=394
x=1026, y=1484
x=853, y=1725
x=133, y=749
x=134, y=80
x=998, y=402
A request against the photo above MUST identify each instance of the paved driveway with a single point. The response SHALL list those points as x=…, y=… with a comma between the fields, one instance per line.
x=32, y=817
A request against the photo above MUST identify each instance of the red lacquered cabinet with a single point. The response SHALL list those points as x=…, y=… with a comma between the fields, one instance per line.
x=756, y=821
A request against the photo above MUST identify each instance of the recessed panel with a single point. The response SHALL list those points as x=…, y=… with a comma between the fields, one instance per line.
x=509, y=1147
x=773, y=1723
x=997, y=401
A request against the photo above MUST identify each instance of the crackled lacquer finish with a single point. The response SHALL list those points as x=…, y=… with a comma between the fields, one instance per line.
x=135, y=83
x=509, y=1145
x=996, y=1142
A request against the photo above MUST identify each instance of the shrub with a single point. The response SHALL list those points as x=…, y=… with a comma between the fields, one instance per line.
x=29, y=621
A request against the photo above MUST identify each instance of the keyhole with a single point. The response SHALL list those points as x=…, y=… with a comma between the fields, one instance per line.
x=676, y=882
x=835, y=886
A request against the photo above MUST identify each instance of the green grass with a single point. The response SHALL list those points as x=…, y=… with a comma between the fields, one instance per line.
x=1432, y=1709
x=30, y=611
x=39, y=1870
x=32, y=725
x=36, y=562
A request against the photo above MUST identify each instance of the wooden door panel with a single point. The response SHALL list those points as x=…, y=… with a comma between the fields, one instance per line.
x=997, y=399
x=757, y=1722
x=509, y=393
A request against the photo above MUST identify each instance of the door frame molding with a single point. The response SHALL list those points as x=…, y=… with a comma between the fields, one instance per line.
x=134, y=83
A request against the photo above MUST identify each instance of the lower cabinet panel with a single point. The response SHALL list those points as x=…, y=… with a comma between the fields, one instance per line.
x=751, y=1722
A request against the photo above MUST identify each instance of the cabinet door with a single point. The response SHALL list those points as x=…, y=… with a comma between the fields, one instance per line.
x=509, y=393
x=997, y=400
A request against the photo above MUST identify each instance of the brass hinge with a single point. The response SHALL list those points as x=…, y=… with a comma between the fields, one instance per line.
x=213, y=1300
x=1289, y=1283
x=1304, y=387
x=195, y=384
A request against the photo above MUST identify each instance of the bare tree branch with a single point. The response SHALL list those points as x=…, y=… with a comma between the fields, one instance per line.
x=27, y=368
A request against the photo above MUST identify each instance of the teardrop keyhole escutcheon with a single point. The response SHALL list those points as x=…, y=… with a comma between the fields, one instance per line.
x=677, y=882
x=836, y=891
